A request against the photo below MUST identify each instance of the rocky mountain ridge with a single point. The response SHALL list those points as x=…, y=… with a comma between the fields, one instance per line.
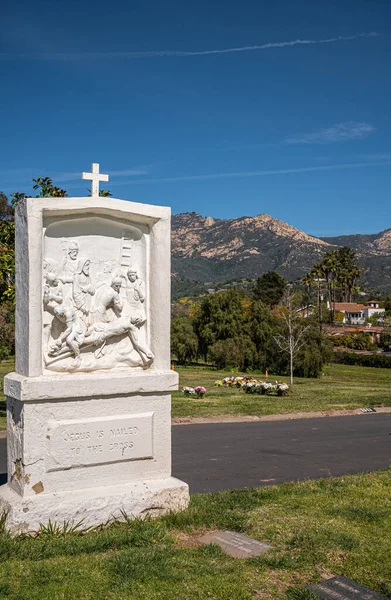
x=208, y=249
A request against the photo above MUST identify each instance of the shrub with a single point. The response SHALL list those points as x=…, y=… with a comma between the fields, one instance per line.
x=355, y=341
x=7, y=332
x=363, y=360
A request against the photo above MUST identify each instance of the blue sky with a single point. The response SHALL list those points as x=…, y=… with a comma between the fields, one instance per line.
x=298, y=130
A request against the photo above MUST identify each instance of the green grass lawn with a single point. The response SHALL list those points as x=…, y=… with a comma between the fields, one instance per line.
x=341, y=387
x=318, y=528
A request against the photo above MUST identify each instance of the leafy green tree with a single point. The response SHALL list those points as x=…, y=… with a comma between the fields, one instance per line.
x=7, y=331
x=237, y=352
x=184, y=342
x=263, y=324
x=46, y=189
x=221, y=316
x=6, y=209
x=7, y=278
x=314, y=353
x=102, y=193
x=269, y=288
x=17, y=197
x=7, y=251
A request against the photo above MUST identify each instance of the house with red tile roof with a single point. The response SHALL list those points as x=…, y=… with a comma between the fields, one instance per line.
x=357, y=314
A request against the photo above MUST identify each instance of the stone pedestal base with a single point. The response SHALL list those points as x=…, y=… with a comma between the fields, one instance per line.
x=93, y=506
x=85, y=448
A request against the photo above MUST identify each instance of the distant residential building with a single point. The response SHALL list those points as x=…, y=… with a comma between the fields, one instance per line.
x=306, y=311
x=356, y=314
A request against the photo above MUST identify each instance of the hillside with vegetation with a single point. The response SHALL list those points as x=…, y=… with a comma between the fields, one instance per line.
x=216, y=250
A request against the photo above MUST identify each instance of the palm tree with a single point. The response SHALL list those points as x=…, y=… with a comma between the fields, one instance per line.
x=348, y=271
x=307, y=280
x=317, y=273
x=330, y=268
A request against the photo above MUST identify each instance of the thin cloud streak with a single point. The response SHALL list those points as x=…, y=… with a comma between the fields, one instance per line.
x=386, y=156
x=76, y=176
x=178, y=53
x=256, y=173
x=341, y=132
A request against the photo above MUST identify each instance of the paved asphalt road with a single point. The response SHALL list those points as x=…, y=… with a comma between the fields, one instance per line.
x=216, y=457
x=244, y=455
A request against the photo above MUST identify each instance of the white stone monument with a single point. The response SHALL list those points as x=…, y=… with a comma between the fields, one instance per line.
x=89, y=406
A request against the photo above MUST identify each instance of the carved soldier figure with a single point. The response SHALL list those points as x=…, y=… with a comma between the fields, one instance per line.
x=135, y=295
x=52, y=296
x=73, y=337
x=107, y=296
x=69, y=268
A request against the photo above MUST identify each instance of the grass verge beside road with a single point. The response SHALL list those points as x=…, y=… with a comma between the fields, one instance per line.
x=318, y=528
x=342, y=387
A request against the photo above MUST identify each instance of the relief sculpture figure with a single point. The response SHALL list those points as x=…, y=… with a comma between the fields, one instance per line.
x=135, y=295
x=94, y=316
x=107, y=296
x=52, y=296
x=69, y=268
x=73, y=337
x=83, y=289
x=99, y=334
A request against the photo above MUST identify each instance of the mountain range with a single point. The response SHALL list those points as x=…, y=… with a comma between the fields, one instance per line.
x=207, y=250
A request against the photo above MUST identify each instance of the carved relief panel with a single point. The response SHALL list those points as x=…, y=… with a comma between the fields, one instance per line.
x=95, y=294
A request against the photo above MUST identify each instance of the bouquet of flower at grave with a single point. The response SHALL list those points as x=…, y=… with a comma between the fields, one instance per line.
x=259, y=387
x=188, y=391
x=239, y=382
x=282, y=389
x=200, y=390
x=265, y=388
x=254, y=386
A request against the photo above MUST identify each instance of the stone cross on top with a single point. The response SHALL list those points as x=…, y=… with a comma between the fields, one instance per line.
x=95, y=178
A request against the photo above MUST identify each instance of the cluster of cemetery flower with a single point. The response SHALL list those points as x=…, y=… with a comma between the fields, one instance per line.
x=255, y=386
x=199, y=391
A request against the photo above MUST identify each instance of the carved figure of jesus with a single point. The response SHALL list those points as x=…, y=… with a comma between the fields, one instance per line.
x=82, y=286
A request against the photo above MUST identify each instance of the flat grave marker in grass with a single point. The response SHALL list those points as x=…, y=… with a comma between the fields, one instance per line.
x=235, y=544
x=342, y=588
